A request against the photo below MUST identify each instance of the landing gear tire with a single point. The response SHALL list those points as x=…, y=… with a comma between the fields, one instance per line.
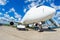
x=40, y=30
x=49, y=28
x=22, y=29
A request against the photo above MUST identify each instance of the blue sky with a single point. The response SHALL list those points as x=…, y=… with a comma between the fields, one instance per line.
x=16, y=9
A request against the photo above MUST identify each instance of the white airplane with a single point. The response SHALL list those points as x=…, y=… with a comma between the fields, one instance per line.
x=38, y=14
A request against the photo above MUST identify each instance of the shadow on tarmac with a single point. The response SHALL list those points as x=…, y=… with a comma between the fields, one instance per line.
x=51, y=30
x=1, y=24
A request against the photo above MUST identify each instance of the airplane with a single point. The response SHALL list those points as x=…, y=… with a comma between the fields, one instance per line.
x=38, y=15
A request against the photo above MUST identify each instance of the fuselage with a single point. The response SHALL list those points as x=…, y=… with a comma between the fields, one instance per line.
x=38, y=14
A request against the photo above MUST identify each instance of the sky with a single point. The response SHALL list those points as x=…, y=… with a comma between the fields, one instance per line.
x=16, y=9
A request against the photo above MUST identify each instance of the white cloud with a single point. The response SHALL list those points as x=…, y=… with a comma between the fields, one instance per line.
x=15, y=20
x=49, y=1
x=4, y=19
x=12, y=10
x=58, y=18
x=25, y=10
x=58, y=13
x=33, y=3
x=9, y=18
x=17, y=15
x=19, y=19
x=56, y=7
x=29, y=1
x=12, y=18
x=6, y=15
x=46, y=0
x=0, y=13
x=3, y=9
x=3, y=2
x=6, y=12
x=29, y=6
x=38, y=2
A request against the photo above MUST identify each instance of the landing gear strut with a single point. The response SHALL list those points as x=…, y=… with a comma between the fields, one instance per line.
x=40, y=29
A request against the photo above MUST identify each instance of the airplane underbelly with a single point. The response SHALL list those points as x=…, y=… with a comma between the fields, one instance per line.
x=41, y=13
x=38, y=19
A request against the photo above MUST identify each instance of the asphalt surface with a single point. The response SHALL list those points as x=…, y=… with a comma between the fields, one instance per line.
x=10, y=33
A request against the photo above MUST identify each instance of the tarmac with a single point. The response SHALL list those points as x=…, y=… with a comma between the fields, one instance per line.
x=10, y=33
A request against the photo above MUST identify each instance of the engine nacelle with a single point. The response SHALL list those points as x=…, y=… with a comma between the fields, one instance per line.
x=11, y=23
